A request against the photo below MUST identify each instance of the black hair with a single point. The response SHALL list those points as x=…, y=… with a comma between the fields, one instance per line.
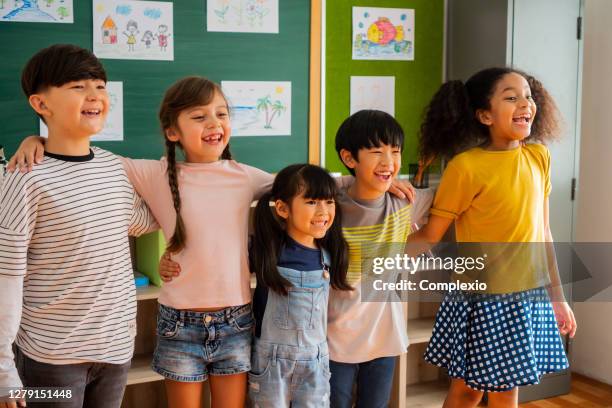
x=57, y=65
x=270, y=236
x=367, y=129
x=450, y=125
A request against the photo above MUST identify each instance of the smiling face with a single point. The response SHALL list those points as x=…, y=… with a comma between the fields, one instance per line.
x=203, y=130
x=77, y=109
x=512, y=110
x=307, y=219
x=375, y=168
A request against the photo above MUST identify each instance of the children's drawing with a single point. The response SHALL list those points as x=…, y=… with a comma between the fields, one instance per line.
x=132, y=30
x=109, y=31
x=126, y=29
x=113, y=128
x=246, y=16
x=373, y=92
x=383, y=33
x=259, y=108
x=37, y=11
x=147, y=38
x=162, y=37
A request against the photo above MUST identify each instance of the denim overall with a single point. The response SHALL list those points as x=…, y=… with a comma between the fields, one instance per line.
x=290, y=360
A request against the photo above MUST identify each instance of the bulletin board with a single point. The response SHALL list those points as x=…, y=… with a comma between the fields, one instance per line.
x=220, y=56
x=416, y=81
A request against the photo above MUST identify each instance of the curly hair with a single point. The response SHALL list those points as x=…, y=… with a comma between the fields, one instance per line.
x=450, y=125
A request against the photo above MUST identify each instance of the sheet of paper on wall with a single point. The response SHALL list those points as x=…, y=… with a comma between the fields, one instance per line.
x=259, y=108
x=113, y=128
x=383, y=33
x=373, y=92
x=244, y=16
x=37, y=11
x=134, y=30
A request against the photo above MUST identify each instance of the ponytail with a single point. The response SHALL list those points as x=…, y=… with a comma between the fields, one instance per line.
x=177, y=242
x=449, y=126
x=268, y=240
x=337, y=246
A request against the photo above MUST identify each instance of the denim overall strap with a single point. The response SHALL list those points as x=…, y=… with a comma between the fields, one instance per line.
x=273, y=358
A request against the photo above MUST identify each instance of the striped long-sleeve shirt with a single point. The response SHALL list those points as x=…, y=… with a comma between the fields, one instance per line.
x=64, y=240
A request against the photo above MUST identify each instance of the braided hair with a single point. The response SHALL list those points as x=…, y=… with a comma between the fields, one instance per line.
x=184, y=94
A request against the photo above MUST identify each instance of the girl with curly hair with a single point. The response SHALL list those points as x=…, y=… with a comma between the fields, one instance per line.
x=495, y=189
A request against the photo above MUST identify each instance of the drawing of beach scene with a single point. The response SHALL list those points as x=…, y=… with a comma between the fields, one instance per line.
x=245, y=16
x=141, y=30
x=259, y=108
x=36, y=11
x=383, y=33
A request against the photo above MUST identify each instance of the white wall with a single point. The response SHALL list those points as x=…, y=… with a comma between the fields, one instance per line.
x=592, y=347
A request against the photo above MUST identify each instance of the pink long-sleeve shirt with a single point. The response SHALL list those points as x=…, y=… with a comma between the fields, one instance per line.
x=216, y=198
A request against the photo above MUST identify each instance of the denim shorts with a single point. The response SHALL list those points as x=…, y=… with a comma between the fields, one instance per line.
x=191, y=345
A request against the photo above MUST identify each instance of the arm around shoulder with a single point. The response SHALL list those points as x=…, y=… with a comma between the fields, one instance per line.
x=261, y=181
x=145, y=175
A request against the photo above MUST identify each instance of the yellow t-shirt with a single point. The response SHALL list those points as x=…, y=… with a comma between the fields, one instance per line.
x=498, y=197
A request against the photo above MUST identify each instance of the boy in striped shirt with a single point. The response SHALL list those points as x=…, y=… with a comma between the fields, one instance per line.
x=66, y=282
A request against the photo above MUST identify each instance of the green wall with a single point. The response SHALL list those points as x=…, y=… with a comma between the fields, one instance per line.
x=415, y=81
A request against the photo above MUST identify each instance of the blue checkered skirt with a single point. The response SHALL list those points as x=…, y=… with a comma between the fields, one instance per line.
x=496, y=342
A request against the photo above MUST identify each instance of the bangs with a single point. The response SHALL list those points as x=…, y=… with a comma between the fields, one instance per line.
x=389, y=136
x=315, y=183
x=81, y=75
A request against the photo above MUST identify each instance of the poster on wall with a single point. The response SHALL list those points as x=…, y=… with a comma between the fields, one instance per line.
x=242, y=16
x=113, y=128
x=36, y=11
x=373, y=92
x=140, y=30
x=259, y=108
x=383, y=34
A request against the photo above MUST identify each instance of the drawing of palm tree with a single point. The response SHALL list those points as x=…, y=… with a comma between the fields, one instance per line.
x=49, y=2
x=63, y=12
x=264, y=104
x=277, y=109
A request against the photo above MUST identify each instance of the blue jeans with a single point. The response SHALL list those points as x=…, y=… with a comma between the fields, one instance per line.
x=374, y=379
x=93, y=385
x=191, y=345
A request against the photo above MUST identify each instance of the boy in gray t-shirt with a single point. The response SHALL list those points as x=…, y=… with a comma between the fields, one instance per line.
x=365, y=337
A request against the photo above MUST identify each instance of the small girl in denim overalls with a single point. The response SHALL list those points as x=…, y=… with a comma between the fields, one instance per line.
x=296, y=255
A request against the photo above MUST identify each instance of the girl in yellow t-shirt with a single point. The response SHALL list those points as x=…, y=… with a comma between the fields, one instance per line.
x=495, y=189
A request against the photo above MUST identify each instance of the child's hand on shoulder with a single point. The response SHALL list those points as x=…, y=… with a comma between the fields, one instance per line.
x=30, y=152
x=402, y=189
x=168, y=269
